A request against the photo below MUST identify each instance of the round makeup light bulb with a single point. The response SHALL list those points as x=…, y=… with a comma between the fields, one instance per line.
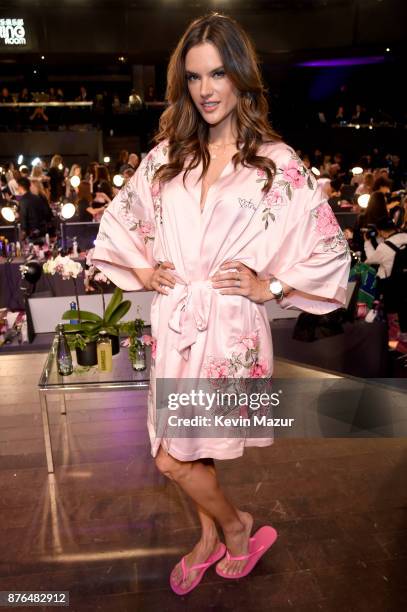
x=118, y=180
x=75, y=181
x=8, y=214
x=357, y=170
x=68, y=210
x=363, y=200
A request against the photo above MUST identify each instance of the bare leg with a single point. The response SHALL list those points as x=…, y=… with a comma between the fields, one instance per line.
x=199, y=481
x=207, y=544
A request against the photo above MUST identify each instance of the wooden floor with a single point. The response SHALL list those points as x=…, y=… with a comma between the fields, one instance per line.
x=108, y=528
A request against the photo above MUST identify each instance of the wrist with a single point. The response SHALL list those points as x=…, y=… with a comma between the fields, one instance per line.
x=276, y=288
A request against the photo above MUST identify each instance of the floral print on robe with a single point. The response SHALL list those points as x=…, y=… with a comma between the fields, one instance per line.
x=290, y=233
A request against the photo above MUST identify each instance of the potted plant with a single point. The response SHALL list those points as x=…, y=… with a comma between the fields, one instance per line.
x=83, y=335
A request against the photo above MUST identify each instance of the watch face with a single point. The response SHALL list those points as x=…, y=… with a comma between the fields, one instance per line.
x=276, y=287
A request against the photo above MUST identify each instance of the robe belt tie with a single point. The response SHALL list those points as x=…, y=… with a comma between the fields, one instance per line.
x=191, y=312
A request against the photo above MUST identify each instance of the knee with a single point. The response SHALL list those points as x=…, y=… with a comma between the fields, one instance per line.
x=170, y=467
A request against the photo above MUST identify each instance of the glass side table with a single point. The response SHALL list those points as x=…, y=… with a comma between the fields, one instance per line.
x=84, y=380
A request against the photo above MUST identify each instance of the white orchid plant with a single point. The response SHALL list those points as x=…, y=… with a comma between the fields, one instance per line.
x=68, y=269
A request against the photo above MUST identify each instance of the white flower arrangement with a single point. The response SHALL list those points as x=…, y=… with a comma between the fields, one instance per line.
x=63, y=265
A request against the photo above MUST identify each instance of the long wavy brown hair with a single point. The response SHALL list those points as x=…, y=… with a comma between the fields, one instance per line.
x=181, y=123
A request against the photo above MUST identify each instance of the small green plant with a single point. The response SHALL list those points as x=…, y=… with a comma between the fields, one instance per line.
x=134, y=330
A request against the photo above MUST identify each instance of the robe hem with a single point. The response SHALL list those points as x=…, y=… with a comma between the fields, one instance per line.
x=212, y=454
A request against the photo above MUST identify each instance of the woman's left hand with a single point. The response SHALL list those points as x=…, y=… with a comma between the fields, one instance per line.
x=241, y=281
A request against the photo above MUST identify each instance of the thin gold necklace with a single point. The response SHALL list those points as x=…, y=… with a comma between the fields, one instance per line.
x=218, y=146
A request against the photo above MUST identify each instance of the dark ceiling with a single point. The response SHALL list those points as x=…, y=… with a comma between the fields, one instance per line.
x=145, y=31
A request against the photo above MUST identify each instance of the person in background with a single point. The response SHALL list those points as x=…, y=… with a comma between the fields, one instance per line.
x=12, y=183
x=5, y=96
x=341, y=116
x=150, y=94
x=122, y=160
x=52, y=94
x=377, y=207
x=84, y=209
x=23, y=113
x=383, y=256
x=366, y=185
x=36, y=187
x=333, y=193
x=83, y=95
x=39, y=119
x=360, y=115
x=70, y=190
x=5, y=193
x=134, y=161
x=102, y=183
x=57, y=179
x=34, y=213
x=24, y=95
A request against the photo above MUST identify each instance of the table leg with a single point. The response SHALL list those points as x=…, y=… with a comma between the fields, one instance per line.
x=46, y=430
x=63, y=404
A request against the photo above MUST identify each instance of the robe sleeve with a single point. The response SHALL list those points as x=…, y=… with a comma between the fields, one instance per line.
x=126, y=233
x=313, y=255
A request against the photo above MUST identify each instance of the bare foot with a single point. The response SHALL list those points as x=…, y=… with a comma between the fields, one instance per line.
x=237, y=543
x=199, y=554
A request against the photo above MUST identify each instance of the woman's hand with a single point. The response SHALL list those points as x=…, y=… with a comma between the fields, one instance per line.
x=243, y=281
x=159, y=278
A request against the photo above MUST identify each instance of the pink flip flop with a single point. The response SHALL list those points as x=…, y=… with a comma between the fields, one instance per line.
x=262, y=540
x=214, y=557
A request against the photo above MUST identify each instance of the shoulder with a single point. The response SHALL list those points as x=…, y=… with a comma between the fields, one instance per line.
x=155, y=158
x=279, y=152
x=399, y=239
x=292, y=177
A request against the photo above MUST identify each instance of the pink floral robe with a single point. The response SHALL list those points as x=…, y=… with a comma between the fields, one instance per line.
x=290, y=233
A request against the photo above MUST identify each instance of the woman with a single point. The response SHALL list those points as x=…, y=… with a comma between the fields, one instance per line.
x=216, y=210
x=70, y=190
x=121, y=160
x=84, y=208
x=56, y=176
x=101, y=181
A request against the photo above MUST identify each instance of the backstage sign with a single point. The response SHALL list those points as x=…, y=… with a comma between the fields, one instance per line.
x=12, y=32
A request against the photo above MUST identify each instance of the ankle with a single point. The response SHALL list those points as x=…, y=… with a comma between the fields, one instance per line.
x=235, y=527
x=209, y=538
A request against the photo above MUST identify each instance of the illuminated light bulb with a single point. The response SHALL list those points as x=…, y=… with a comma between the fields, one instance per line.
x=118, y=180
x=315, y=171
x=363, y=200
x=60, y=166
x=36, y=161
x=23, y=167
x=357, y=126
x=8, y=214
x=357, y=170
x=20, y=159
x=68, y=210
x=106, y=159
x=75, y=181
